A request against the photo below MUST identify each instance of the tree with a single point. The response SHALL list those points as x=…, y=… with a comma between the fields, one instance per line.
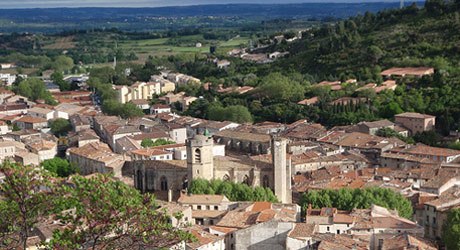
x=58, y=79
x=24, y=201
x=347, y=199
x=110, y=215
x=281, y=88
x=62, y=63
x=147, y=143
x=431, y=138
x=60, y=167
x=60, y=127
x=451, y=230
x=233, y=191
x=127, y=110
x=34, y=89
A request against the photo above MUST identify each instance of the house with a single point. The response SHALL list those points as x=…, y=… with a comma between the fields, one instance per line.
x=408, y=242
x=186, y=101
x=372, y=127
x=330, y=220
x=165, y=85
x=206, y=209
x=82, y=137
x=172, y=208
x=309, y=102
x=96, y=157
x=258, y=225
x=434, y=211
x=141, y=103
x=13, y=108
x=27, y=122
x=222, y=64
x=159, y=108
x=151, y=154
x=416, y=122
x=125, y=145
x=7, y=150
x=422, y=151
x=215, y=126
x=80, y=122
x=115, y=132
x=27, y=158
x=205, y=240
x=45, y=149
x=137, y=91
x=409, y=71
x=46, y=114
x=4, y=128
x=334, y=85
x=7, y=79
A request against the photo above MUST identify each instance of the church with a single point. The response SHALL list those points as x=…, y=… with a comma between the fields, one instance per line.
x=265, y=170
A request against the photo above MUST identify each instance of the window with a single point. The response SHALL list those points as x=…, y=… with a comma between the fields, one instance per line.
x=216, y=207
x=338, y=231
x=428, y=219
x=198, y=207
x=208, y=207
x=265, y=183
x=197, y=155
x=434, y=221
x=211, y=222
x=328, y=229
x=163, y=183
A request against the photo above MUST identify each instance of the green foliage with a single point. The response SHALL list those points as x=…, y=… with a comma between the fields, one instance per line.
x=234, y=113
x=147, y=143
x=60, y=167
x=58, y=79
x=233, y=191
x=431, y=138
x=127, y=110
x=23, y=202
x=34, y=89
x=347, y=199
x=388, y=132
x=120, y=217
x=16, y=127
x=282, y=88
x=62, y=63
x=451, y=230
x=60, y=127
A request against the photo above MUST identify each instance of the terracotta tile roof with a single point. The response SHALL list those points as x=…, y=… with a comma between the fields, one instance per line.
x=225, y=230
x=408, y=242
x=302, y=230
x=203, y=238
x=414, y=115
x=153, y=135
x=408, y=71
x=346, y=100
x=243, y=136
x=422, y=149
x=202, y=199
x=28, y=119
x=208, y=213
x=97, y=151
x=309, y=101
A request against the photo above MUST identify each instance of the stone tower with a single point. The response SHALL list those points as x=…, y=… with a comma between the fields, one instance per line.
x=200, y=157
x=281, y=170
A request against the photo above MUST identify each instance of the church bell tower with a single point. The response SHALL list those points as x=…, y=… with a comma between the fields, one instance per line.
x=281, y=170
x=200, y=157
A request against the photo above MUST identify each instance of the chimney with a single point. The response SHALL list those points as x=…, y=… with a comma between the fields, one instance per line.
x=169, y=195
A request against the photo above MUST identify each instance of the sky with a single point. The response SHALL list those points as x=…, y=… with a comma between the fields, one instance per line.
x=150, y=3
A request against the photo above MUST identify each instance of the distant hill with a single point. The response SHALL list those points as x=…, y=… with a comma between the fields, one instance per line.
x=80, y=18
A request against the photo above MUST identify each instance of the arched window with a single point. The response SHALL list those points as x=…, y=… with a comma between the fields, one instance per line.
x=246, y=180
x=265, y=182
x=197, y=155
x=164, y=183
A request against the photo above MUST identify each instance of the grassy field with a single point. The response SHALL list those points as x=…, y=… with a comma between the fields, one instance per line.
x=62, y=43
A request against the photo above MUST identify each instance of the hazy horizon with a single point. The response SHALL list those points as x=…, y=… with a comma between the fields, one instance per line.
x=19, y=4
